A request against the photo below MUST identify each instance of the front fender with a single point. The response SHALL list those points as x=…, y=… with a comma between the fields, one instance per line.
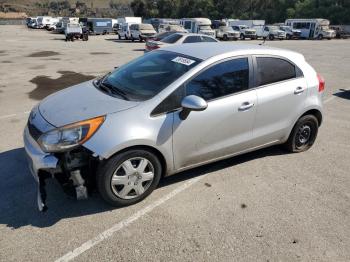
x=133, y=128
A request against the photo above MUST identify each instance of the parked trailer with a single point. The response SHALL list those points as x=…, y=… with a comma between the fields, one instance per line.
x=312, y=28
x=100, y=26
x=198, y=26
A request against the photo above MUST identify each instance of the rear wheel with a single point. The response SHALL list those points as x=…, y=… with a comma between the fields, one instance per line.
x=320, y=37
x=271, y=37
x=303, y=134
x=225, y=38
x=129, y=177
x=242, y=37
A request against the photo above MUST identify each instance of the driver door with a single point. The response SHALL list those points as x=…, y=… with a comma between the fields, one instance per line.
x=225, y=126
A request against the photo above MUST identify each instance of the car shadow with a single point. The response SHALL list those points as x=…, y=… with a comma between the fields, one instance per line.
x=18, y=190
x=343, y=93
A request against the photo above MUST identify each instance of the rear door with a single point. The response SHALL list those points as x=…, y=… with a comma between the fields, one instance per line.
x=225, y=126
x=281, y=91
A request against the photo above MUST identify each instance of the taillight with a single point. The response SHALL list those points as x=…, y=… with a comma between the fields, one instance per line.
x=321, y=83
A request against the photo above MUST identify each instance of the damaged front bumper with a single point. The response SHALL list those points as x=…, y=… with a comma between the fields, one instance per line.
x=42, y=165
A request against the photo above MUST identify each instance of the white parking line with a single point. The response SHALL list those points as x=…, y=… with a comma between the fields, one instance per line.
x=14, y=115
x=124, y=223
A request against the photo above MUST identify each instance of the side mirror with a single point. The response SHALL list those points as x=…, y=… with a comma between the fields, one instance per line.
x=192, y=103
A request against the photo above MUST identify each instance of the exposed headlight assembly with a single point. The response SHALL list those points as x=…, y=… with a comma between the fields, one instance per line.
x=69, y=136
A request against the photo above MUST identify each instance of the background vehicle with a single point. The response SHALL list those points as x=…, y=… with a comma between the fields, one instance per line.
x=290, y=32
x=245, y=32
x=227, y=33
x=340, y=31
x=75, y=31
x=99, y=26
x=161, y=36
x=256, y=26
x=178, y=38
x=198, y=26
x=273, y=32
x=124, y=24
x=141, y=31
x=173, y=98
x=171, y=27
x=312, y=28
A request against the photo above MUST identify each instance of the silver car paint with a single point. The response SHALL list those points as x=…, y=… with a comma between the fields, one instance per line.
x=219, y=131
x=80, y=102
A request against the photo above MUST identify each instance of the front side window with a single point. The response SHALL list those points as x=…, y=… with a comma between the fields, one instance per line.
x=143, y=78
x=222, y=79
x=271, y=70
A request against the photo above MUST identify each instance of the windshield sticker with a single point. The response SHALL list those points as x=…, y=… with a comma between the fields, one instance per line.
x=183, y=60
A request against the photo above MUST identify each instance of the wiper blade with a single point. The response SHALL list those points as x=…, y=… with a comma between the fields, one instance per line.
x=112, y=89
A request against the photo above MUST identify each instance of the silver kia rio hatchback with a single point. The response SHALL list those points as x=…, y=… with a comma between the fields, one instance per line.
x=171, y=110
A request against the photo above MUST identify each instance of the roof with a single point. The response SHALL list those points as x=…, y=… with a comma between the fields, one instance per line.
x=206, y=50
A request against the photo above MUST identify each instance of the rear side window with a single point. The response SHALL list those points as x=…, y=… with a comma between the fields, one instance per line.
x=171, y=38
x=208, y=39
x=221, y=79
x=272, y=70
x=192, y=39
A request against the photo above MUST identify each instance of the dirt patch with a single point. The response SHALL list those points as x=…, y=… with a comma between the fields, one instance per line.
x=45, y=85
x=100, y=53
x=243, y=206
x=207, y=184
x=43, y=54
x=6, y=62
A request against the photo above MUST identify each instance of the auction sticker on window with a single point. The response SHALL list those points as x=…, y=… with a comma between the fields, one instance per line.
x=183, y=60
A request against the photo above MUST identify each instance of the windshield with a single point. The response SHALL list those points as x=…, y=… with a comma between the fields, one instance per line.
x=143, y=78
x=204, y=27
x=325, y=27
x=146, y=27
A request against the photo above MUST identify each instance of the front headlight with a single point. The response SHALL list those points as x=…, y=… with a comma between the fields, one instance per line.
x=69, y=136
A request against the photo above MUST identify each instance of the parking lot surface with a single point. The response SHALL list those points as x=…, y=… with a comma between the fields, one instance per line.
x=263, y=206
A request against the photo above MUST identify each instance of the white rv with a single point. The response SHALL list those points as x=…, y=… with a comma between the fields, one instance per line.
x=312, y=28
x=198, y=26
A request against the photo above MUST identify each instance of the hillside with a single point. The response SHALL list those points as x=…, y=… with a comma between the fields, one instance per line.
x=66, y=7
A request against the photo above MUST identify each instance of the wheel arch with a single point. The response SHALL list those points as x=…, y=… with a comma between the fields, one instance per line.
x=151, y=149
x=316, y=113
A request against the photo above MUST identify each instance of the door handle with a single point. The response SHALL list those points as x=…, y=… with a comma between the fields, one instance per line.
x=245, y=106
x=298, y=90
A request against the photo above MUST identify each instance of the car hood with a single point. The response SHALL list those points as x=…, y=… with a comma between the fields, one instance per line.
x=80, y=102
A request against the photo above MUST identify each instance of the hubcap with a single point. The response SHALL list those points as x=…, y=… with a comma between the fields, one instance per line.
x=132, y=178
x=303, y=135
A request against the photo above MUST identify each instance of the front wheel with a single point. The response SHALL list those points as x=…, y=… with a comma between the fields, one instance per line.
x=271, y=37
x=129, y=177
x=242, y=37
x=303, y=134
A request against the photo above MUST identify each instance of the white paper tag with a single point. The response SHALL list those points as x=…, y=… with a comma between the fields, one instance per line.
x=183, y=60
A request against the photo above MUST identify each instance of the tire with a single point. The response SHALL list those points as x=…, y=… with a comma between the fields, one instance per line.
x=126, y=37
x=288, y=37
x=113, y=193
x=303, y=135
x=320, y=37
x=119, y=37
x=271, y=37
x=242, y=37
x=225, y=38
x=132, y=39
x=140, y=38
